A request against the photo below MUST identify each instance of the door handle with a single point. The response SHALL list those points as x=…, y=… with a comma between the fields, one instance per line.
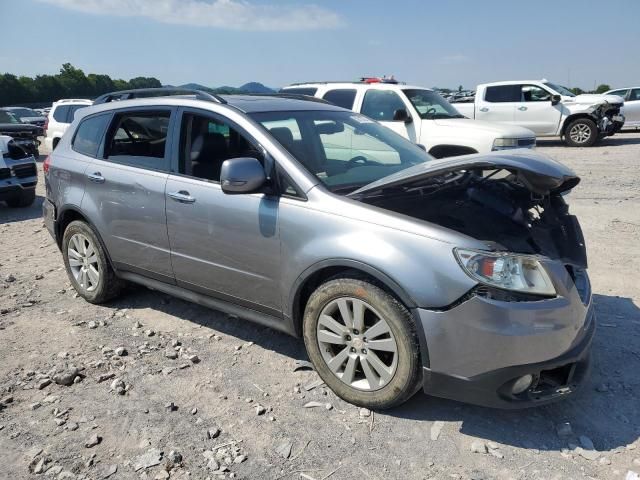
x=522, y=108
x=96, y=177
x=484, y=109
x=182, y=196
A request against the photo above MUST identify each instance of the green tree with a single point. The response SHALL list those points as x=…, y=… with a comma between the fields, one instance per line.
x=577, y=90
x=603, y=87
x=144, y=82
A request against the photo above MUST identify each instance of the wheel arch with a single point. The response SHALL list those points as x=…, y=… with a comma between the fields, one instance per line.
x=576, y=116
x=444, y=150
x=318, y=273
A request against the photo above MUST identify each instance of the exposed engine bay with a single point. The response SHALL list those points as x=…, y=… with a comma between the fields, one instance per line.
x=493, y=205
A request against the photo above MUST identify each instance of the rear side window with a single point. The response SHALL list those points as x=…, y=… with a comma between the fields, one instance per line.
x=60, y=113
x=139, y=139
x=72, y=111
x=381, y=105
x=342, y=98
x=503, y=93
x=89, y=134
x=635, y=94
x=300, y=91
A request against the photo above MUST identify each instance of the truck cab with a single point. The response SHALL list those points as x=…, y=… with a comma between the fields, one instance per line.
x=419, y=114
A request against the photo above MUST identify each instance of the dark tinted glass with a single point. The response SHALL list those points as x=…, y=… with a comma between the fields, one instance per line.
x=341, y=98
x=503, y=93
x=90, y=131
x=381, y=105
x=72, y=111
x=139, y=139
x=635, y=94
x=60, y=113
x=300, y=91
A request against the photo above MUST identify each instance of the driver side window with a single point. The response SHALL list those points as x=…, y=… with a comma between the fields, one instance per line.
x=381, y=105
x=533, y=93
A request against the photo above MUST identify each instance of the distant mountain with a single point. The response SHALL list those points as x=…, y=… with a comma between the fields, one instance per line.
x=256, y=87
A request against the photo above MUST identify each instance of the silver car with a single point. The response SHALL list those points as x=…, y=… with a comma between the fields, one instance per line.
x=463, y=276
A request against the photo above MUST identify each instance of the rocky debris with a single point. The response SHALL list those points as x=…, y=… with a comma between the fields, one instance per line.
x=260, y=410
x=6, y=400
x=110, y=470
x=173, y=460
x=171, y=407
x=44, y=383
x=194, y=410
x=194, y=358
x=92, y=324
x=93, y=441
x=284, y=449
x=105, y=376
x=478, y=446
x=314, y=384
x=10, y=278
x=213, y=433
x=587, y=450
x=313, y=404
x=299, y=365
x=149, y=459
x=121, y=351
x=39, y=466
x=67, y=376
x=436, y=428
x=150, y=333
x=564, y=429
x=118, y=386
x=364, y=413
x=493, y=450
x=171, y=354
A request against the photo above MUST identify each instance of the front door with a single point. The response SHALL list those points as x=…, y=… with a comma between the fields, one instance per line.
x=535, y=111
x=125, y=188
x=225, y=246
x=381, y=105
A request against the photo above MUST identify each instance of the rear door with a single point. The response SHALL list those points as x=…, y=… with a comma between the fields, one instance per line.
x=498, y=103
x=225, y=246
x=535, y=111
x=125, y=190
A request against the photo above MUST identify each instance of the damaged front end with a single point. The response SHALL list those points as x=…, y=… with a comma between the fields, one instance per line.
x=603, y=109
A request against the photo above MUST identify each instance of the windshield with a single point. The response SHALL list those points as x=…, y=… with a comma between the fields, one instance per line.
x=25, y=112
x=560, y=89
x=430, y=105
x=6, y=117
x=344, y=150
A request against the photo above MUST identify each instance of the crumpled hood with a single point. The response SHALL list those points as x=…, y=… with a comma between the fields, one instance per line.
x=500, y=130
x=593, y=99
x=539, y=173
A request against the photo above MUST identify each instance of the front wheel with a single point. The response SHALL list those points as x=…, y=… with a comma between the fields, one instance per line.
x=581, y=132
x=87, y=265
x=363, y=343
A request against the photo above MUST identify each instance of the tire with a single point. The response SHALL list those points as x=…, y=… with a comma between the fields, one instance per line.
x=404, y=368
x=108, y=285
x=581, y=132
x=25, y=199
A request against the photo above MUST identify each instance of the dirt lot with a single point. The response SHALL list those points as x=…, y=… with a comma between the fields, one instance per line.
x=134, y=415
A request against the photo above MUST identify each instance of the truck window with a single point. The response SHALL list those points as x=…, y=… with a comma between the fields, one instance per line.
x=635, y=94
x=381, y=105
x=341, y=97
x=502, y=94
x=89, y=134
x=533, y=93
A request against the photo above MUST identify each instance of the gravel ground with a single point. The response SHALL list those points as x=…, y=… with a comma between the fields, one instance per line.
x=160, y=388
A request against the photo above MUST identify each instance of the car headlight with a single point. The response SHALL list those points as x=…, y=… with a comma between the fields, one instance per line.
x=500, y=143
x=509, y=271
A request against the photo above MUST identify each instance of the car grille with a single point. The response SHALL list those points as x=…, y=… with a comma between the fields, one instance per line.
x=23, y=171
x=4, y=173
x=526, y=142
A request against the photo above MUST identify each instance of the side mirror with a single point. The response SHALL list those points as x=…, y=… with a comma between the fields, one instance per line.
x=401, y=115
x=242, y=175
x=555, y=99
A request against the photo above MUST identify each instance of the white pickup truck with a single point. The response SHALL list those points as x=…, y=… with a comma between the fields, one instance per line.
x=419, y=114
x=547, y=109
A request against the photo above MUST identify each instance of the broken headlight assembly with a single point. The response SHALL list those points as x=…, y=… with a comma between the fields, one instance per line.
x=508, y=271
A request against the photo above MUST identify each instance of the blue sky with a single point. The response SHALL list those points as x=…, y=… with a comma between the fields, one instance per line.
x=230, y=42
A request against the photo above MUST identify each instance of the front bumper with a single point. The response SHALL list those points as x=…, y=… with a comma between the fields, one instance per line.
x=476, y=350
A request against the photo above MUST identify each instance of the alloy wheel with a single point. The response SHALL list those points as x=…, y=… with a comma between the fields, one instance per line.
x=83, y=262
x=580, y=133
x=357, y=344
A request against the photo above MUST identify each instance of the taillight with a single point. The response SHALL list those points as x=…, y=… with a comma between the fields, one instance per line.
x=46, y=164
x=46, y=124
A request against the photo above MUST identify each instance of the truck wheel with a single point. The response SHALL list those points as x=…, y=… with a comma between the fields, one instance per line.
x=581, y=132
x=25, y=199
x=363, y=343
x=87, y=265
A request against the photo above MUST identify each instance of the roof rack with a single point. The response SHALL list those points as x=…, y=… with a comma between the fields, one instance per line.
x=363, y=80
x=157, y=92
x=293, y=96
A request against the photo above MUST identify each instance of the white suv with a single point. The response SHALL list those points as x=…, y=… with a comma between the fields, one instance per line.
x=60, y=117
x=419, y=114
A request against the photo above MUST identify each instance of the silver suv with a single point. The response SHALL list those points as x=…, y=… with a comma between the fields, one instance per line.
x=463, y=276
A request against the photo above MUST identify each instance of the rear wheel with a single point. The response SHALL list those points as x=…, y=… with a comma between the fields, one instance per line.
x=363, y=343
x=87, y=265
x=581, y=132
x=25, y=199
